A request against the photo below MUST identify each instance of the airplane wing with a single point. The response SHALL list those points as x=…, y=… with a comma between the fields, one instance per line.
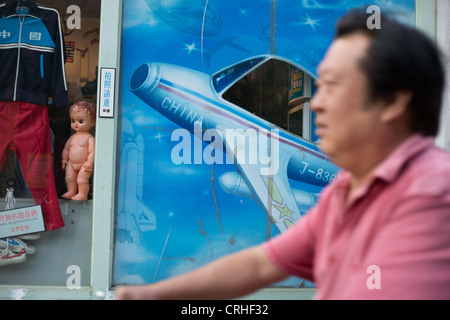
x=267, y=180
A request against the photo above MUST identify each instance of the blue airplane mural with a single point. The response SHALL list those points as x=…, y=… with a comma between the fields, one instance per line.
x=193, y=100
x=183, y=62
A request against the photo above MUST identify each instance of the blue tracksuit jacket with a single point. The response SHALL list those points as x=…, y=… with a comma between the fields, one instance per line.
x=32, y=54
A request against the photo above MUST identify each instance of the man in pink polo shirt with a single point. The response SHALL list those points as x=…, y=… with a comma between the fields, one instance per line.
x=381, y=230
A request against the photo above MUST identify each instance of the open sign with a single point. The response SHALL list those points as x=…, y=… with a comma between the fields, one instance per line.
x=21, y=221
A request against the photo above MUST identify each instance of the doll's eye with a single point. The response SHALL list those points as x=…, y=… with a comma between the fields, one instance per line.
x=81, y=121
x=73, y=121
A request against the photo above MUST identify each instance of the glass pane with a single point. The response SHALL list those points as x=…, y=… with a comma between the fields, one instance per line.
x=64, y=249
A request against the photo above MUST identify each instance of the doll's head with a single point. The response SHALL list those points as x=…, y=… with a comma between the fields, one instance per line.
x=82, y=116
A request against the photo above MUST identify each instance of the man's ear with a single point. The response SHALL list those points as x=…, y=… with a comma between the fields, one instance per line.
x=398, y=107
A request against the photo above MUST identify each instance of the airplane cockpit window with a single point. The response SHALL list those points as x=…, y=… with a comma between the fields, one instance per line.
x=277, y=92
x=226, y=77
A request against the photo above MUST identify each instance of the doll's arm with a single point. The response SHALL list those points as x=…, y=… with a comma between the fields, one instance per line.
x=65, y=154
x=89, y=164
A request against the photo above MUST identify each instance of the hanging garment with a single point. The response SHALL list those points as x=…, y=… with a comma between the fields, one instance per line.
x=32, y=54
x=25, y=129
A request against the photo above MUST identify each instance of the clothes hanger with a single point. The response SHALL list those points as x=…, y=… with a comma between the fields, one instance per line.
x=23, y=3
x=22, y=6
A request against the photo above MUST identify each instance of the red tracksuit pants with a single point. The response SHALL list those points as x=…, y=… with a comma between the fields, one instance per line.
x=25, y=129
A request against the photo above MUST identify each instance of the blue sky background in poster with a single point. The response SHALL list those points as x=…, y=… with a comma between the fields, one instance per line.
x=174, y=218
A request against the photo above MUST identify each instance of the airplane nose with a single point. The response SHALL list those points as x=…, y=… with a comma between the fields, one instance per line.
x=145, y=79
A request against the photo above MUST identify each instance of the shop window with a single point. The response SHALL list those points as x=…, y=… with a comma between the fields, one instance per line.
x=40, y=178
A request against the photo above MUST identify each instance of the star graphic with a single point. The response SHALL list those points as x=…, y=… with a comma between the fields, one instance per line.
x=310, y=22
x=284, y=211
x=152, y=21
x=158, y=136
x=190, y=47
x=243, y=11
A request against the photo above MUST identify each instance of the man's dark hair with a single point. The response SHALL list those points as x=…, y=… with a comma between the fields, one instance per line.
x=400, y=58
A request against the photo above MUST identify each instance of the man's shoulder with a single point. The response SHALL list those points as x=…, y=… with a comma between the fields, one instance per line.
x=428, y=173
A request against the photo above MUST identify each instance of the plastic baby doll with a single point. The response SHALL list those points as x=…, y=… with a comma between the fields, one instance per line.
x=78, y=153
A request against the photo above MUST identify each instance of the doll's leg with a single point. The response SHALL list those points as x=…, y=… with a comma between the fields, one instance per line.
x=83, y=185
x=71, y=181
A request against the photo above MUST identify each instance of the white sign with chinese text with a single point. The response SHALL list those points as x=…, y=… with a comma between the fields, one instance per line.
x=21, y=221
x=107, y=82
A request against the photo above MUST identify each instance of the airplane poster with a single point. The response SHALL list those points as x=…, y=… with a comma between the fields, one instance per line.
x=218, y=151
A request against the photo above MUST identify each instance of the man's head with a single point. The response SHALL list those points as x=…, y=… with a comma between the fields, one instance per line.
x=376, y=86
x=400, y=58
